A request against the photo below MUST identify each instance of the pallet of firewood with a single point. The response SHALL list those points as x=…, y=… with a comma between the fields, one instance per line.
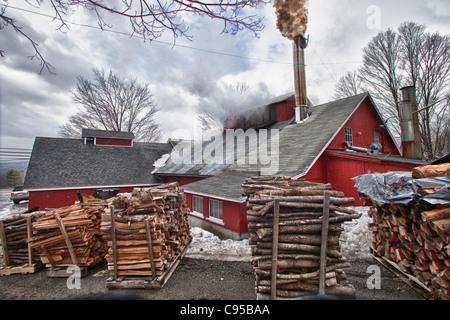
x=146, y=282
x=414, y=236
x=147, y=231
x=22, y=269
x=18, y=256
x=407, y=278
x=294, y=234
x=69, y=236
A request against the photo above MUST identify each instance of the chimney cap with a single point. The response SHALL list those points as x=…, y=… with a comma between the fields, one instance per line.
x=408, y=93
x=302, y=41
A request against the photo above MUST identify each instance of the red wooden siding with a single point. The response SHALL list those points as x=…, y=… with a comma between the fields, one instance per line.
x=339, y=169
x=61, y=198
x=364, y=123
x=113, y=142
x=285, y=109
x=234, y=214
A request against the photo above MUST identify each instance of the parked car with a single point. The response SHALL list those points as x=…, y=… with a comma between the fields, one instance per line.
x=19, y=194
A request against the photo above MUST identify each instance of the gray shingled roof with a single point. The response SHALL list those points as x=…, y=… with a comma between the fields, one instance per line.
x=299, y=146
x=225, y=185
x=62, y=163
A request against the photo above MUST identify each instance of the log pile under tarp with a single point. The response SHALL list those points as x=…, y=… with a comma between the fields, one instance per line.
x=412, y=229
x=15, y=231
x=151, y=229
x=69, y=236
x=294, y=209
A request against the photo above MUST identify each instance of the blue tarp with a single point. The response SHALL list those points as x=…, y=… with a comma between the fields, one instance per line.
x=401, y=188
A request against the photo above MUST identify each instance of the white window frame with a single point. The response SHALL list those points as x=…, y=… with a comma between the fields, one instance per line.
x=349, y=135
x=194, y=211
x=215, y=205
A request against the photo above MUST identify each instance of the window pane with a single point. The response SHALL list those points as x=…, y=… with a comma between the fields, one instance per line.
x=349, y=135
x=197, y=204
x=215, y=209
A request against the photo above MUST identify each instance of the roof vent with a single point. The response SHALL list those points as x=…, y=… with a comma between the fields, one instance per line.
x=375, y=148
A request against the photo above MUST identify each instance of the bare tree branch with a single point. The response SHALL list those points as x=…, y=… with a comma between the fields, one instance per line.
x=409, y=56
x=348, y=85
x=111, y=103
x=151, y=18
x=6, y=21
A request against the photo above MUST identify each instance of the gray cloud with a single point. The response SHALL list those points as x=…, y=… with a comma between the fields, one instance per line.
x=186, y=81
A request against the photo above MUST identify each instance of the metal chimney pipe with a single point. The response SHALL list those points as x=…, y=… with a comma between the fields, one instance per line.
x=301, y=98
x=409, y=124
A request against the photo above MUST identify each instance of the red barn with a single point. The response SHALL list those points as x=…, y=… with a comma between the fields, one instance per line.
x=337, y=142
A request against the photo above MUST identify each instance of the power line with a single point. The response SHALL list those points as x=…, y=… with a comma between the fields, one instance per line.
x=15, y=149
x=13, y=160
x=333, y=63
x=182, y=45
x=156, y=41
x=15, y=152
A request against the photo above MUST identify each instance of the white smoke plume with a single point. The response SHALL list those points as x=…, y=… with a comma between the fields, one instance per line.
x=224, y=101
x=292, y=17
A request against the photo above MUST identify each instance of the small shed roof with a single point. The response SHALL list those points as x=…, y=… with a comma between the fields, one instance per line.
x=63, y=163
x=93, y=133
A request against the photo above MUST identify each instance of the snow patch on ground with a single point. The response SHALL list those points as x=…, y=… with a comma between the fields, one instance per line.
x=206, y=245
x=356, y=238
x=355, y=241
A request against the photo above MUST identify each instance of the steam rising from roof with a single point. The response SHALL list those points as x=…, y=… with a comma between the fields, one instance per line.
x=292, y=17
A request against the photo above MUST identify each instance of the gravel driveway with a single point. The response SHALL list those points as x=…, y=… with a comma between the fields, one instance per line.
x=193, y=279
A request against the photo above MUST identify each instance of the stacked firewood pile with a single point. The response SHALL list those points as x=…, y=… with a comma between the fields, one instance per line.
x=299, y=227
x=14, y=234
x=151, y=229
x=416, y=236
x=69, y=236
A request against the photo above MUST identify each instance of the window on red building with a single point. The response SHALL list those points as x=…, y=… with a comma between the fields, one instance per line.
x=215, y=209
x=197, y=204
x=349, y=135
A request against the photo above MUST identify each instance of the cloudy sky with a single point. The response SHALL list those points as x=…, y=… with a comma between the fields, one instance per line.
x=192, y=76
